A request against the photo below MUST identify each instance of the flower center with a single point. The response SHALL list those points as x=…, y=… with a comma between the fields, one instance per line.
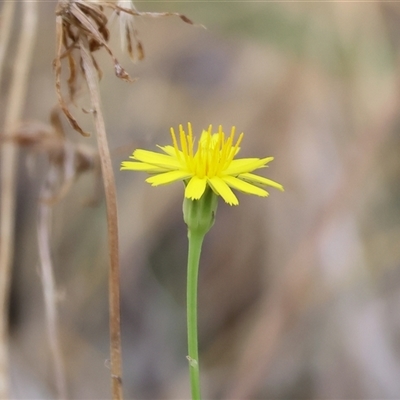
x=214, y=152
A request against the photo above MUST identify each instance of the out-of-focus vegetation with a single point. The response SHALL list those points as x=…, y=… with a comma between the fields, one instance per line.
x=299, y=292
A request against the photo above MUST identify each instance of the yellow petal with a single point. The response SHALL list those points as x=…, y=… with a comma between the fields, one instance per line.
x=222, y=189
x=243, y=165
x=168, y=177
x=244, y=187
x=170, y=150
x=140, y=166
x=195, y=188
x=161, y=160
x=252, y=178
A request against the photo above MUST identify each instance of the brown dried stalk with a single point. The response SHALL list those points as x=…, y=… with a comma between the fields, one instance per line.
x=66, y=162
x=132, y=11
x=82, y=26
x=49, y=285
x=8, y=169
x=112, y=217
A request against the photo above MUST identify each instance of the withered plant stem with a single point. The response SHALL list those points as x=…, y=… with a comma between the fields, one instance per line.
x=111, y=200
x=49, y=290
x=8, y=157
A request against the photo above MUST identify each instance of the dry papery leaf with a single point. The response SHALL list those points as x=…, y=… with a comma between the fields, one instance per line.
x=79, y=19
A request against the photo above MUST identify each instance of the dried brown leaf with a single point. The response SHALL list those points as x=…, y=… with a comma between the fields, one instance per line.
x=57, y=68
x=98, y=69
x=86, y=25
x=80, y=19
x=56, y=123
x=132, y=35
x=72, y=79
x=121, y=73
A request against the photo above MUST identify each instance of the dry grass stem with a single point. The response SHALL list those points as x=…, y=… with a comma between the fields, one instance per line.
x=112, y=218
x=13, y=114
x=136, y=13
x=49, y=290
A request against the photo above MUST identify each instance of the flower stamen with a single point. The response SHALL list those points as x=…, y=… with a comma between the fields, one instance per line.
x=190, y=140
x=234, y=151
x=175, y=143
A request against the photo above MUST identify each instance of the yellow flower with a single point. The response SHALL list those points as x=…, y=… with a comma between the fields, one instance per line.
x=212, y=164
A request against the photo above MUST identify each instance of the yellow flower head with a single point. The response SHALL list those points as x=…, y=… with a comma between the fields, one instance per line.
x=212, y=164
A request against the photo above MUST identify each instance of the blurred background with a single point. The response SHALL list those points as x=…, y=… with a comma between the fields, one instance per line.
x=299, y=293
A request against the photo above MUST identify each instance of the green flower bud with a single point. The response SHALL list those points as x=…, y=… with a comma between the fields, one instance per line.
x=199, y=215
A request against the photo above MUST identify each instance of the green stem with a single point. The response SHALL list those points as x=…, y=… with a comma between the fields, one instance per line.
x=199, y=217
x=195, y=243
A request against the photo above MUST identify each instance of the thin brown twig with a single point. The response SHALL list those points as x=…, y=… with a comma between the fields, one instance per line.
x=48, y=282
x=66, y=162
x=8, y=178
x=112, y=218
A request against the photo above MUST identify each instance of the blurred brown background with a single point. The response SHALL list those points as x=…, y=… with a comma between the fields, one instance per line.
x=300, y=292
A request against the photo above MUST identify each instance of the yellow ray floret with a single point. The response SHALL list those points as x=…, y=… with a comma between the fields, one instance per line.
x=209, y=163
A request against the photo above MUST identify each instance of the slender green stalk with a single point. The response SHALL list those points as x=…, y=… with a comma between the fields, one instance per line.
x=195, y=242
x=199, y=216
